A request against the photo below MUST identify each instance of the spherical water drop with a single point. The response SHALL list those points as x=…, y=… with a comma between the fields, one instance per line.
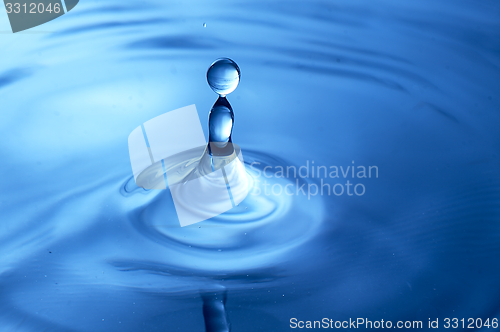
x=220, y=125
x=223, y=76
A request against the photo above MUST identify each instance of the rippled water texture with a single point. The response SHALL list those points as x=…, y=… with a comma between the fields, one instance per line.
x=408, y=86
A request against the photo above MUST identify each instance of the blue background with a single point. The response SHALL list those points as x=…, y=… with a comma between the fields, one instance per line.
x=408, y=86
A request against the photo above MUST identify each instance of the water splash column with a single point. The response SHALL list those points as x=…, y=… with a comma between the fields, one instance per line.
x=223, y=77
x=221, y=154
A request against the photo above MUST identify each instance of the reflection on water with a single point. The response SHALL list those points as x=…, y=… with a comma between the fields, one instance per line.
x=409, y=87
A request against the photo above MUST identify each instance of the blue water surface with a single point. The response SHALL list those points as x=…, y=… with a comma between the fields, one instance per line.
x=410, y=87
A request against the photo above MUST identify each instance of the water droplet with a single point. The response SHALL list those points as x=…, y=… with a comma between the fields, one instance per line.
x=220, y=123
x=223, y=76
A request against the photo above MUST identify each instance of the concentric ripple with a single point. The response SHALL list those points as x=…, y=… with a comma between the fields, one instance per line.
x=254, y=234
